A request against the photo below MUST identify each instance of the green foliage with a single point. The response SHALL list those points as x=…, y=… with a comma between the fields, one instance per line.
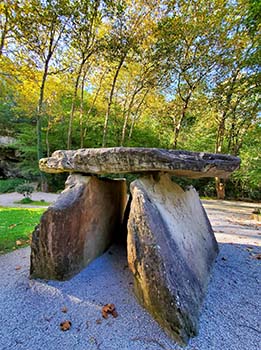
x=168, y=74
x=28, y=200
x=25, y=189
x=10, y=185
x=16, y=226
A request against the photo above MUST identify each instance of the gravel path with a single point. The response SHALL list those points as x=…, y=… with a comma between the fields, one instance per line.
x=8, y=199
x=30, y=310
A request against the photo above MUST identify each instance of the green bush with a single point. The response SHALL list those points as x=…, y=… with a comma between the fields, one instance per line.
x=25, y=189
x=10, y=185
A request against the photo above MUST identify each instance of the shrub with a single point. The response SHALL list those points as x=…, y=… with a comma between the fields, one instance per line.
x=25, y=189
x=10, y=185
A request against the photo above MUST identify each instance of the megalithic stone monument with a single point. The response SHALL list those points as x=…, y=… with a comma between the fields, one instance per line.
x=170, y=243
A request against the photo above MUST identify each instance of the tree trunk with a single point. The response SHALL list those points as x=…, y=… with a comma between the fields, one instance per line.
x=127, y=114
x=182, y=117
x=220, y=188
x=105, y=127
x=4, y=32
x=39, y=124
x=47, y=138
x=137, y=110
x=94, y=101
x=81, y=108
x=69, y=135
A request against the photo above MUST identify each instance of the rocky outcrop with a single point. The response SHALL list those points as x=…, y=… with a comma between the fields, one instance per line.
x=126, y=160
x=79, y=227
x=9, y=158
x=171, y=250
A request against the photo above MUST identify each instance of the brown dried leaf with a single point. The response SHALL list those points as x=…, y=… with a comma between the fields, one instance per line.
x=114, y=313
x=104, y=314
x=64, y=309
x=108, y=309
x=18, y=243
x=18, y=267
x=65, y=325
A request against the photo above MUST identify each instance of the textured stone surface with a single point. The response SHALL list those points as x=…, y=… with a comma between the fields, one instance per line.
x=171, y=249
x=125, y=160
x=9, y=158
x=78, y=227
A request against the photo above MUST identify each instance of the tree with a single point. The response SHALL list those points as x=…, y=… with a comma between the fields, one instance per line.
x=8, y=10
x=39, y=30
x=189, y=49
x=83, y=32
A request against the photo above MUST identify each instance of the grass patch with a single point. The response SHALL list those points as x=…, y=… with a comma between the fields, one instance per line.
x=30, y=201
x=16, y=226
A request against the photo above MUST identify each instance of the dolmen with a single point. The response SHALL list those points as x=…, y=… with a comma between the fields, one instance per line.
x=171, y=247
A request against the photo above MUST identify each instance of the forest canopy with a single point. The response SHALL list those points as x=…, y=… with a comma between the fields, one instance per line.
x=181, y=74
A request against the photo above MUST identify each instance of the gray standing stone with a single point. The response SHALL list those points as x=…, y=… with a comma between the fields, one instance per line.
x=79, y=227
x=171, y=250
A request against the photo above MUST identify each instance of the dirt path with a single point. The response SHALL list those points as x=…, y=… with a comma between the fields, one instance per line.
x=232, y=221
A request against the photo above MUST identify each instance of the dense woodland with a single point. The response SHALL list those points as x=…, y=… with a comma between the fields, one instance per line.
x=181, y=74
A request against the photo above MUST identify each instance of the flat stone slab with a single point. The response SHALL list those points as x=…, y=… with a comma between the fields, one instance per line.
x=171, y=250
x=137, y=160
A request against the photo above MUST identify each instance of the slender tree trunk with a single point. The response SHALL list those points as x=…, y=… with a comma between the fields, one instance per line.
x=137, y=110
x=107, y=116
x=220, y=183
x=73, y=106
x=81, y=108
x=47, y=138
x=39, y=122
x=93, y=102
x=127, y=115
x=220, y=187
x=4, y=32
x=182, y=117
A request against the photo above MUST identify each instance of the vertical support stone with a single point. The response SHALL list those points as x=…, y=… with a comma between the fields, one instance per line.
x=78, y=227
x=171, y=250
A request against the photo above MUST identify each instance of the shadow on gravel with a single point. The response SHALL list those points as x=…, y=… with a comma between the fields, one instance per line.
x=31, y=310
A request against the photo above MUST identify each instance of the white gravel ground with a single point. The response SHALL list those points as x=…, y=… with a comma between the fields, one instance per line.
x=30, y=310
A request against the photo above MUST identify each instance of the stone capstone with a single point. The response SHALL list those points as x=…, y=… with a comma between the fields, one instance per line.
x=171, y=249
x=80, y=226
x=140, y=160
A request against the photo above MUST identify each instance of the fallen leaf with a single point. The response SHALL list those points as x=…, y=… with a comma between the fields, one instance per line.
x=104, y=314
x=18, y=267
x=65, y=325
x=256, y=256
x=64, y=309
x=114, y=313
x=109, y=309
x=18, y=243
